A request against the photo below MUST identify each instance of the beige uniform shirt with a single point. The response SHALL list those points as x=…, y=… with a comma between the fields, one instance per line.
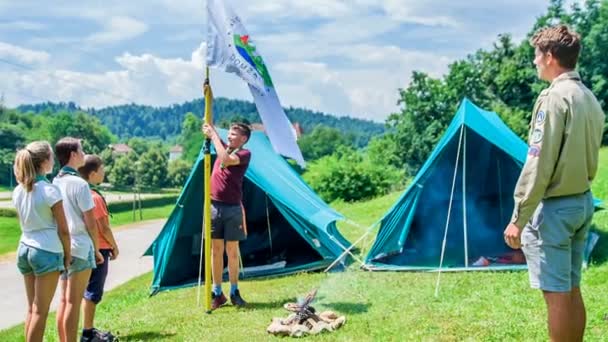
x=564, y=141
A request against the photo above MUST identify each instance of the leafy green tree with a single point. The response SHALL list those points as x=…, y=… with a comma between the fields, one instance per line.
x=11, y=138
x=179, y=170
x=96, y=137
x=349, y=175
x=152, y=169
x=108, y=158
x=427, y=106
x=139, y=145
x=294, y=166
x=593, y=23
x=322, y=141
x=382, y=150
x=123, y=171
x=225, y=123
x=191, y=138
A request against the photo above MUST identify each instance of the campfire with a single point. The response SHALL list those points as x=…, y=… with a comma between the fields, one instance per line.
x=304, y=319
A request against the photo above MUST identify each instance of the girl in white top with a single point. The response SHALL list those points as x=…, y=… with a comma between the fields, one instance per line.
x=44, y=247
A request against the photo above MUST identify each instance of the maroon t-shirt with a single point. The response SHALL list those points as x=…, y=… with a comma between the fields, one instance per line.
x=227, y=182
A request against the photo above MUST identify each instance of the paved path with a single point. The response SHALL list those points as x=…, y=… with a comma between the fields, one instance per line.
x=133, y=242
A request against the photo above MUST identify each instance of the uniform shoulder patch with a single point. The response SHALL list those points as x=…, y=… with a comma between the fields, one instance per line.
x=534, y=151
x=537, y=136
x=540, y=117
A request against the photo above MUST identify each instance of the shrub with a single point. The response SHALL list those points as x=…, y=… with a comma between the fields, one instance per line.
x=349, y=175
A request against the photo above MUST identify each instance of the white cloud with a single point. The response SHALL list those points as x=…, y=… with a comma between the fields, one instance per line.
x=427, y=13
x=144, y=79
x=311, y=85
x=332, y=39
x=199, y=55
x=18, y=54
x=117, y=29
x=187, y=35
x=367, y=91
x=22, y=25
x=301, y=9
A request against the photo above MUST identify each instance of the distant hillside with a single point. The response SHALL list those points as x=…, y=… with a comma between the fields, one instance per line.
x=127, y=121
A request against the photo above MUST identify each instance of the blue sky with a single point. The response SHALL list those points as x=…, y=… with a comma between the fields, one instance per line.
x=341, y=57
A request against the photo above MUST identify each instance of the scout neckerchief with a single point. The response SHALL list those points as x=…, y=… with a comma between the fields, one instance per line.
x=222, y=166
x=41, y=178
x=66, y=170
x=95, y=188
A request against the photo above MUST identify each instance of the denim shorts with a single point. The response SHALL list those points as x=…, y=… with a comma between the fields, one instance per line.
x=79, y=265
x=38, y=261
x=554, y=242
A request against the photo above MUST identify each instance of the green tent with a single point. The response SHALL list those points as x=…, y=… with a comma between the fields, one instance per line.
x=468, y=213
x=290, y=229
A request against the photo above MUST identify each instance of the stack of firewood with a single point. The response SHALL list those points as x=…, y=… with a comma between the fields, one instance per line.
x=304, y=320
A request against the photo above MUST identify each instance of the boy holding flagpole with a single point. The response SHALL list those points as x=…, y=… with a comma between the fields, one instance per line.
x=227, y=219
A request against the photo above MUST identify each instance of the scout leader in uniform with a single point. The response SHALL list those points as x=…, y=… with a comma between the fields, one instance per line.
x=553, y=203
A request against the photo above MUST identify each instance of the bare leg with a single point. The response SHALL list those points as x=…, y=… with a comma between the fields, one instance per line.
x=30, y=281
x=45, y=286
x=63, y=286
x=75, y=291
x=232, y=250
x=88, y=312
x=579, y=316
x=217, y=258
x=559, y=310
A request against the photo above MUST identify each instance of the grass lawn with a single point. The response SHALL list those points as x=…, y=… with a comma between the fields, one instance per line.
x=379, y=306
x=397, y=306
x=10, y=230
x=364, y=214
x=9, y=234
x=382, y=306
x=600, y=184
x=5, y=188
x=126, y=217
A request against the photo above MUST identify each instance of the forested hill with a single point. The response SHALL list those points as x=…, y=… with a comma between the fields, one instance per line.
x=146, y=121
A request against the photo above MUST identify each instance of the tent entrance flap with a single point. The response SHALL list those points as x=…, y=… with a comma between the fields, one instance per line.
x=289, y=249
x=271, y=237
x=484, y=195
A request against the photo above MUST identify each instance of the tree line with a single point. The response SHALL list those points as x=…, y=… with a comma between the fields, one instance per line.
x=147, y=166
x=133, y=120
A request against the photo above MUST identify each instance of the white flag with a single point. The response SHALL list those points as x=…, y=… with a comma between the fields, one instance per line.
x=230, y=48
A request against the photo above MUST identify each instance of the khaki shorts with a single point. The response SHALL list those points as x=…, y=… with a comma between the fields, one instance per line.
x=554, y=242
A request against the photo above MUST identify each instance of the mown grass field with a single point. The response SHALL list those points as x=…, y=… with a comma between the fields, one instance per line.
x=385, y=306
x=9, y=234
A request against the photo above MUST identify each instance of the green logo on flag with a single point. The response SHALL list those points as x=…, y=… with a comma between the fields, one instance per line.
x=246, y=49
